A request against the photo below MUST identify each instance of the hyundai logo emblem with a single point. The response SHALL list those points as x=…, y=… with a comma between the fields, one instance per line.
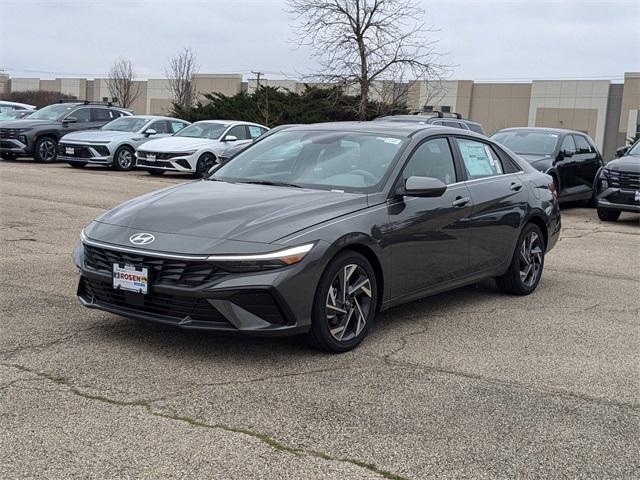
x=141, y=238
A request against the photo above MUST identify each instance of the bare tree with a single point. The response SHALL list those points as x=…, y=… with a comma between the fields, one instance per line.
x=180, y=71
x=121, y=82
x=358, y=42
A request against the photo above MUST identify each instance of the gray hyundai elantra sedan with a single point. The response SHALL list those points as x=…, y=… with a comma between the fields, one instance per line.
x=315, y=229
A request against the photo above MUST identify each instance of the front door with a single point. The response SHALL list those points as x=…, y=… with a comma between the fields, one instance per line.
x=429, y=237
x=588, y=161
x=568, y=166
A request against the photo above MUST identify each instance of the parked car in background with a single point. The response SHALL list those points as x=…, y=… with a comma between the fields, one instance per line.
x=444, y=119
x=14, y=114
x=6, y=106
x=315, y=229
x=570, y=157
x=39, y=133
x=115, y=143
x=618, y=184
x=197, y=148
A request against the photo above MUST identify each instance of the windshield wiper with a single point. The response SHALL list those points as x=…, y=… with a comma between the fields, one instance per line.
x=270, y=182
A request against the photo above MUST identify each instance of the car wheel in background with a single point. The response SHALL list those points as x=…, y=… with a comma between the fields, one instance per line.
x=205, y=162
x=155, y=173
x=123, y=158
x=345, y=304
x=607, y=215
x=9, y=156
x=45, y=150
x=526, y=266
x=78, y=164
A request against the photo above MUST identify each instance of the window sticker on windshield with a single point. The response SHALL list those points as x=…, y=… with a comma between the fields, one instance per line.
x=391, y=140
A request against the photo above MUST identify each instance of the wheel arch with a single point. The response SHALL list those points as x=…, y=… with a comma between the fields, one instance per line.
x=537, y=220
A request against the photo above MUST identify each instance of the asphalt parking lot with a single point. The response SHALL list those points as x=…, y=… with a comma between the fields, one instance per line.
x=468, y=384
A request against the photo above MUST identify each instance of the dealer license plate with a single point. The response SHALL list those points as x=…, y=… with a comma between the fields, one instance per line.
x=151, y=158
x=69, y=150
x=128, y=277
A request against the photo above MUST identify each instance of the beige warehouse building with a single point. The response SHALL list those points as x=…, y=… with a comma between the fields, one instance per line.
x=607, y=111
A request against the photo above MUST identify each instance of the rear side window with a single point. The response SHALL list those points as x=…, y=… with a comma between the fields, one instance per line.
x=581, y=144
x=480, y=160
x=432, y=158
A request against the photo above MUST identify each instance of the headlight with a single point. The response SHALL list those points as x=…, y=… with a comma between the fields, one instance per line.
x=261, y=261
x=191, y=152
x=83, y=237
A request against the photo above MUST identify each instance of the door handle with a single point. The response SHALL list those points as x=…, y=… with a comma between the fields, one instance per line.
x=515, y=186
x=460, y=201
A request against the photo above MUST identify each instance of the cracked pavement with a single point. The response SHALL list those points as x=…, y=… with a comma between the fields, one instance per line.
x=466, y=384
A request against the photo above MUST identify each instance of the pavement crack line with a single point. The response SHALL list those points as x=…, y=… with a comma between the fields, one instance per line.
x=148, y=407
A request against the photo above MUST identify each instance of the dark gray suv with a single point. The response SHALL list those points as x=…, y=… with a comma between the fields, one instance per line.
x=38, y=135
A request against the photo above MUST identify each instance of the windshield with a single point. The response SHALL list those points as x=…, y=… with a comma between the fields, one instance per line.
x=635, y=150
x=126, y=124
x=320, y=159
x=52, y=112
x=203, y=130
x=528, y=143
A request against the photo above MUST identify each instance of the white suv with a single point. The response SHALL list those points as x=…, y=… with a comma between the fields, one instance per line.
x=196, y=148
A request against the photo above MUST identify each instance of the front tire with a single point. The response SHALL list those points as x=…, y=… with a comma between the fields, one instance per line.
x=45, y=150
x=345, y=304
x=123, y=159
x=607, y=215
x=205, y=162
x=524, y=272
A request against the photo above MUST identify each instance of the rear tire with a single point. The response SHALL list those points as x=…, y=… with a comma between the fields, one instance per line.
x=8, y=156
x=607, y=215
x=205, y=162
x=45, y=150
x=525, y=270
x=77, y=164
x=155, y=173
x=124, y=158
x=342, y=317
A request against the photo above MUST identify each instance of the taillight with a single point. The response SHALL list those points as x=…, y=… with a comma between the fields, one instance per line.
x=553, y=189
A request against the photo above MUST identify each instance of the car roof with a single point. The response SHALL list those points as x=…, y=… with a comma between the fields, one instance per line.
x=24, y=106
x=541, y=130
x=398, y=129
x=230, y=122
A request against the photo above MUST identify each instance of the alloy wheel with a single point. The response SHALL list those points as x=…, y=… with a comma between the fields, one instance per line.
x=47, y=150
x=530, y=259
x=349, y=301
x=125, y=159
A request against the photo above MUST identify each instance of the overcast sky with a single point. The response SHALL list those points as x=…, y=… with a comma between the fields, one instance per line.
x=483, y=40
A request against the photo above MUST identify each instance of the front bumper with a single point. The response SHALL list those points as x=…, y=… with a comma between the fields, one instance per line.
x=183, y=163
x=13, y=145
x=620, y=199
x=276, y=302
x=87, y=153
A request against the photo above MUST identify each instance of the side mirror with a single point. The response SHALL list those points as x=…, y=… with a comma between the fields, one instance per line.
x=424, y=187
x=622, y=151
x=230, y=138
x=149, y=131
x=70, y=120
x=565, y=154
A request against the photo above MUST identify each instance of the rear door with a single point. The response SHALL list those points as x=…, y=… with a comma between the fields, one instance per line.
x=500, y=199
x=429, y=236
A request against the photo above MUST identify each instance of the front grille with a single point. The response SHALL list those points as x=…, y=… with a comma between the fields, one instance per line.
x=174, y=307
x=162, y=271
x=78, y=151
x=5, y=144
x=9, y=133
x=158, y=164
x=625, y=180
x=160, y=155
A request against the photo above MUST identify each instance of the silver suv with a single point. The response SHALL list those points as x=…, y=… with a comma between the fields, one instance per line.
x=116, y=142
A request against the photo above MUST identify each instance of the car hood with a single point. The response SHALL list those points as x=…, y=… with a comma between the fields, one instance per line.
x=27, y=123
x=195, y=217
x=176, y=144
x=629, y=163
x=99, y=135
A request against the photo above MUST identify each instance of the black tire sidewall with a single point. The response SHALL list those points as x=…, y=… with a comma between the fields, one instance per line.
x=516, y=258
x=607, y=215
x=320, y=334
x=116, y=165
x=36, y=149
x=201, y=171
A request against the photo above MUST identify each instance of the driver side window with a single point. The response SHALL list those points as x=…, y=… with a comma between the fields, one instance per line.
x=568, y=144
x=239, y=131
x=82, y=115
x=432, y=158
